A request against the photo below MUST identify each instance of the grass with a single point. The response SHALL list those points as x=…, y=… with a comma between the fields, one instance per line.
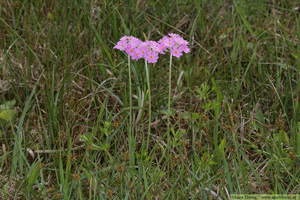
x=68, y=130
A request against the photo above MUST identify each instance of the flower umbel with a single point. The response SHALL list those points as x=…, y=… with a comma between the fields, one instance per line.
x=150, y=50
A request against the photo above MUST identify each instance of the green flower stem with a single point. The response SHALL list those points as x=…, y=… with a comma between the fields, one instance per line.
x=130, y=115
x=169, y=106
x=148, y=82
x=169, y=101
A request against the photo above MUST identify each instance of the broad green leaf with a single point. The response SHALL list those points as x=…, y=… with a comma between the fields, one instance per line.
x=222, y=144
x=187, y=115
x=172, y=112
x=7, y=114
x=34, y=173
x=105, y=146
x=51, y=16
x=211, y=162
x=283, y=136
x=8, y=105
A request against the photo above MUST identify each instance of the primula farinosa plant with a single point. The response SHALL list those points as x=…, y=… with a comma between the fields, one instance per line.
x=150, y=51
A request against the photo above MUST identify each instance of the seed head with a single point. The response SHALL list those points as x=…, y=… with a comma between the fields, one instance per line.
x=90, y=147
x=109, y=193
x=76, y=177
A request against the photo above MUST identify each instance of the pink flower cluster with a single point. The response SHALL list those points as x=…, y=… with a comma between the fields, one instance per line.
x=149, y=50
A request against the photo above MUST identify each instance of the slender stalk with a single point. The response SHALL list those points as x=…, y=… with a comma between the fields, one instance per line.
x=148, y=82
x=169, y=107
x=169, y=101
x=130, y=115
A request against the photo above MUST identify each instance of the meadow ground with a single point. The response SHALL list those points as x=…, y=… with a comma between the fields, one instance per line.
x=65, y=115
